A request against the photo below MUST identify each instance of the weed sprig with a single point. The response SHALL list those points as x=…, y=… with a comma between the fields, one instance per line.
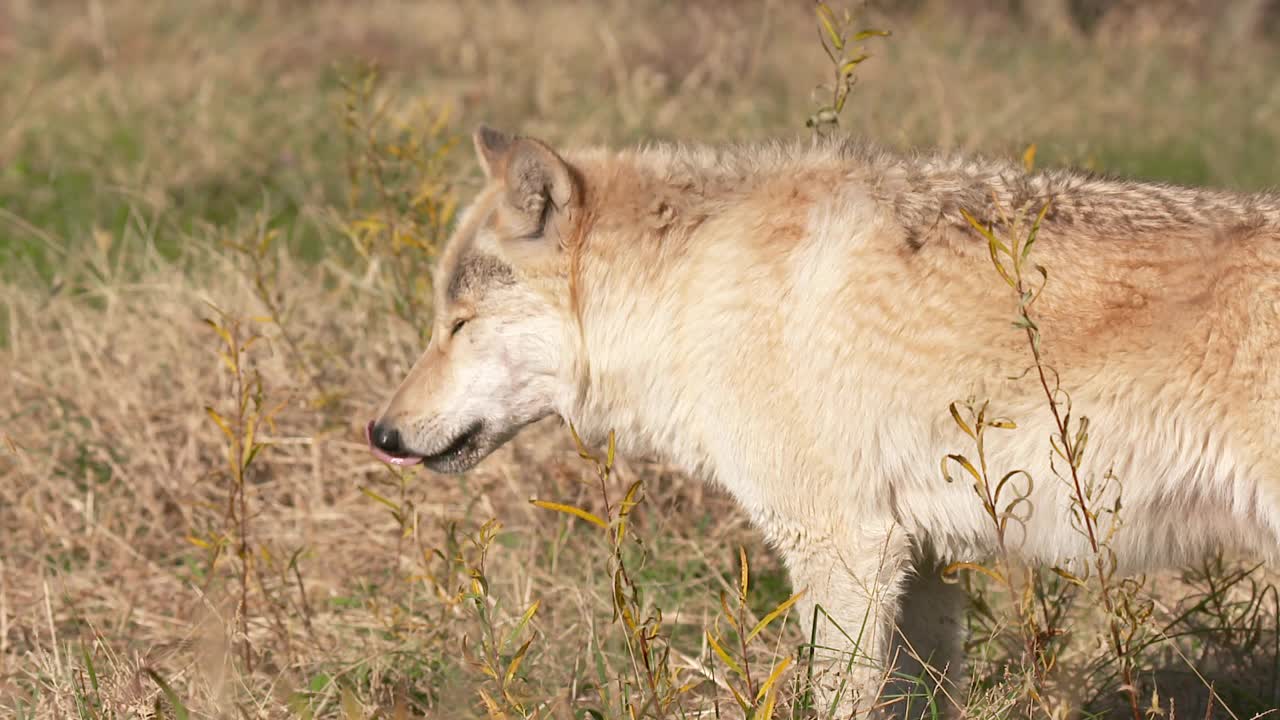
x=241, y=432
x=842, y=47
x=400, y=191
x=1006, y=501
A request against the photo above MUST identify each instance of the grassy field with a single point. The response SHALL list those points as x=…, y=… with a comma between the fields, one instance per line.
x=166, y=163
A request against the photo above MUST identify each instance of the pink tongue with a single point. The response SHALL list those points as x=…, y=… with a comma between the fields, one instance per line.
x=402, y=461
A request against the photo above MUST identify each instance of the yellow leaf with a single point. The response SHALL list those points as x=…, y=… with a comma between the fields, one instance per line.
x=1067, y=576
x=728, y=614
x=742, y=553
x=955, y=415
x=849, y=65
x=1029, y=157
x=619, y=602
x=582, y=448
x=629, y=501
x=226, y=360
x=742, y=702
x=724, y=656
x=222, y=333
x=524, y=620
x=198, y=542
x=982, y=230
x=865, y=34
x=766, y=713
x=1035, y=229
x=953, y=567
x=968, y=466
x=773, y=677
x=995, y=260
x=515, y=662
x=250, y=429
x=220, y=422
x=494, y=711
x=782, y=607
x=629, y=619
x=571, y=510
x=379, y=498
x=828, y=23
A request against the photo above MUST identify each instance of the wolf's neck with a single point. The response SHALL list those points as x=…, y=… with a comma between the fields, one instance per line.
x=630, y=391
x=632, y=375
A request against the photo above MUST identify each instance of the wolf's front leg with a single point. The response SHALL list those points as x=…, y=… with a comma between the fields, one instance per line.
x=853, y=579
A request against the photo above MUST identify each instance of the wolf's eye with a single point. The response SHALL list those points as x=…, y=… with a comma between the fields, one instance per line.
x=457, y=325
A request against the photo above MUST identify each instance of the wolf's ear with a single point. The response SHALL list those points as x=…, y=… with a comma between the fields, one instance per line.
x=540, y=185
x=491, y=149
x=535, y=176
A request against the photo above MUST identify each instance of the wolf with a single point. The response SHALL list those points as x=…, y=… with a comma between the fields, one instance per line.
x=792, y=320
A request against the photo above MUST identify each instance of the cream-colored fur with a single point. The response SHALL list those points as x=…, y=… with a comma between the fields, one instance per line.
x=791, y=321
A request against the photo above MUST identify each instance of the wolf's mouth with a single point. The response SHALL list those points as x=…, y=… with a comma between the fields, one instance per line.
x=455, y=449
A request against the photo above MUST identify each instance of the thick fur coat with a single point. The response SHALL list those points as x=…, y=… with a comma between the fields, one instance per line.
x=792, y=320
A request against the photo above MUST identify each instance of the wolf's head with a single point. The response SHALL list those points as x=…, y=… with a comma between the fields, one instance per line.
x=502, y=316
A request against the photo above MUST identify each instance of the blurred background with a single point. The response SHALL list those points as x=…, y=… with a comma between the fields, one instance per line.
x=286, y=169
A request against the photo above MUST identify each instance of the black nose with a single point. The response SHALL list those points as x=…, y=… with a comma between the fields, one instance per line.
x=386, y=439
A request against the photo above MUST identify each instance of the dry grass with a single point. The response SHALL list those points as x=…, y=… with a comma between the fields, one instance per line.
x=137, y=139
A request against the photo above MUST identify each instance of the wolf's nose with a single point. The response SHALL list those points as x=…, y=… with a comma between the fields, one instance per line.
x=386, y=439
